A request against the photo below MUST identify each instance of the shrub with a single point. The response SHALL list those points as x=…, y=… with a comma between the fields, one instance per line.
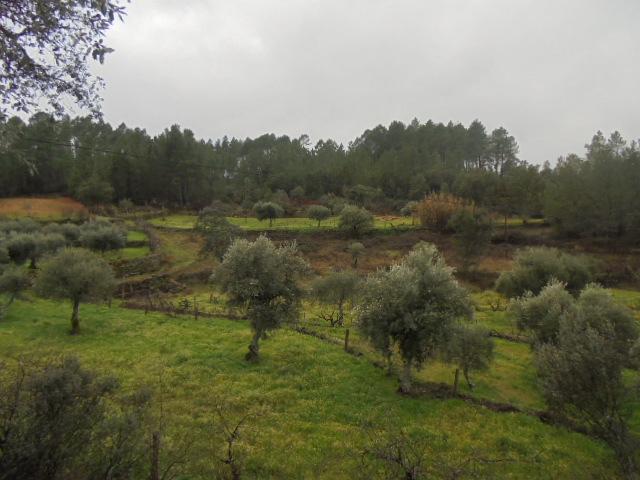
x=541, y=314
x=582, y=378
x=63, y=421
x=102, y=236
x=437, y=209
x=355, y=221
x=535, y=267
x=70, y=231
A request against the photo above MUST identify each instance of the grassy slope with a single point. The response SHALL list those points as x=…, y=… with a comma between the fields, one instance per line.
x=314, y=397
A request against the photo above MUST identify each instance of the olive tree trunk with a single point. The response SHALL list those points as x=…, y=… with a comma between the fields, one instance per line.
x=75, y=319
x=405, y=378
x=253, y=354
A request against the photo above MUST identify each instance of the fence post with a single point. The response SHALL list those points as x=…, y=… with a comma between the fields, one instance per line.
x=154, y=474
x=346, y=340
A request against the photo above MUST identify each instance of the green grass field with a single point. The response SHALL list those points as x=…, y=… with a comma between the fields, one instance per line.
x=313, y=398
x=186, y=222
x=302, y=224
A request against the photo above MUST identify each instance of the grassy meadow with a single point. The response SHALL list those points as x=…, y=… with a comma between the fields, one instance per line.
x=311, y=399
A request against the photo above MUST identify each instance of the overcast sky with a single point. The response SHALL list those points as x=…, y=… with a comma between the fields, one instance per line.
x=550, y=71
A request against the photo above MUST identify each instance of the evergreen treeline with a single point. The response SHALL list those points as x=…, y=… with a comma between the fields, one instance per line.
x=382, y=169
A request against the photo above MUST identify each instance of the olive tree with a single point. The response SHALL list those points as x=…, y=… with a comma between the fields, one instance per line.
x=336, y=289
x=318, y=213
x=102, y=236
x=415, y=304
x=356, y=250
x=263, y=278
x=78, y=275
x=13, y=280
x=470, y=348
x=534, y=267
x=355, y=221
x=268, y=210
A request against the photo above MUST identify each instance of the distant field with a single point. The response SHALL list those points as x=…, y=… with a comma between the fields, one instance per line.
x=185, y=222
x=381, y=222
x=60, y=208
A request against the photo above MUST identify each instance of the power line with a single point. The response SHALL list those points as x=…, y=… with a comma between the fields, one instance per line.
x=80, y=147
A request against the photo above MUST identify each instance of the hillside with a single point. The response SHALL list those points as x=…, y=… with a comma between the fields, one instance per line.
x=312, y=399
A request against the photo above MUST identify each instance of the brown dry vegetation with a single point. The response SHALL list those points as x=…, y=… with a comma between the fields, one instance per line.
x=57, y=208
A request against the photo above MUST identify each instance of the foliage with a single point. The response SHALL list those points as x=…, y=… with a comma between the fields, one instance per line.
x=437, y=209
x=13, y=280
x=409, y=209
x=45, y=50
x=102, y=236
x=355, y=221
x=62, y=421
x=581, y=378
x=470, y=348
x=263, y=278
x=356, y=250
x=268, y=210
x=316, y=397
x=217, y=231
x=318, y=213
x=94, y=191
x=78, y=275
x=535, y=267
x=336, y=289
x=596, y=195
x=472, y=235
x=414, y=306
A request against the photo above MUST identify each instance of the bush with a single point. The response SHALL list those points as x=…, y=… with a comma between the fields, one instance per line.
x=23, y=225
x=63, y=422
x=582, y=374
x=437, y=209
x=541, y=314
x=355, y=221
x=70, y=231
x=102, y=236
x=535, y=267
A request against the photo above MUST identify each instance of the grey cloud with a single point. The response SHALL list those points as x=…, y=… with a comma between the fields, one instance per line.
x=551, y=72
